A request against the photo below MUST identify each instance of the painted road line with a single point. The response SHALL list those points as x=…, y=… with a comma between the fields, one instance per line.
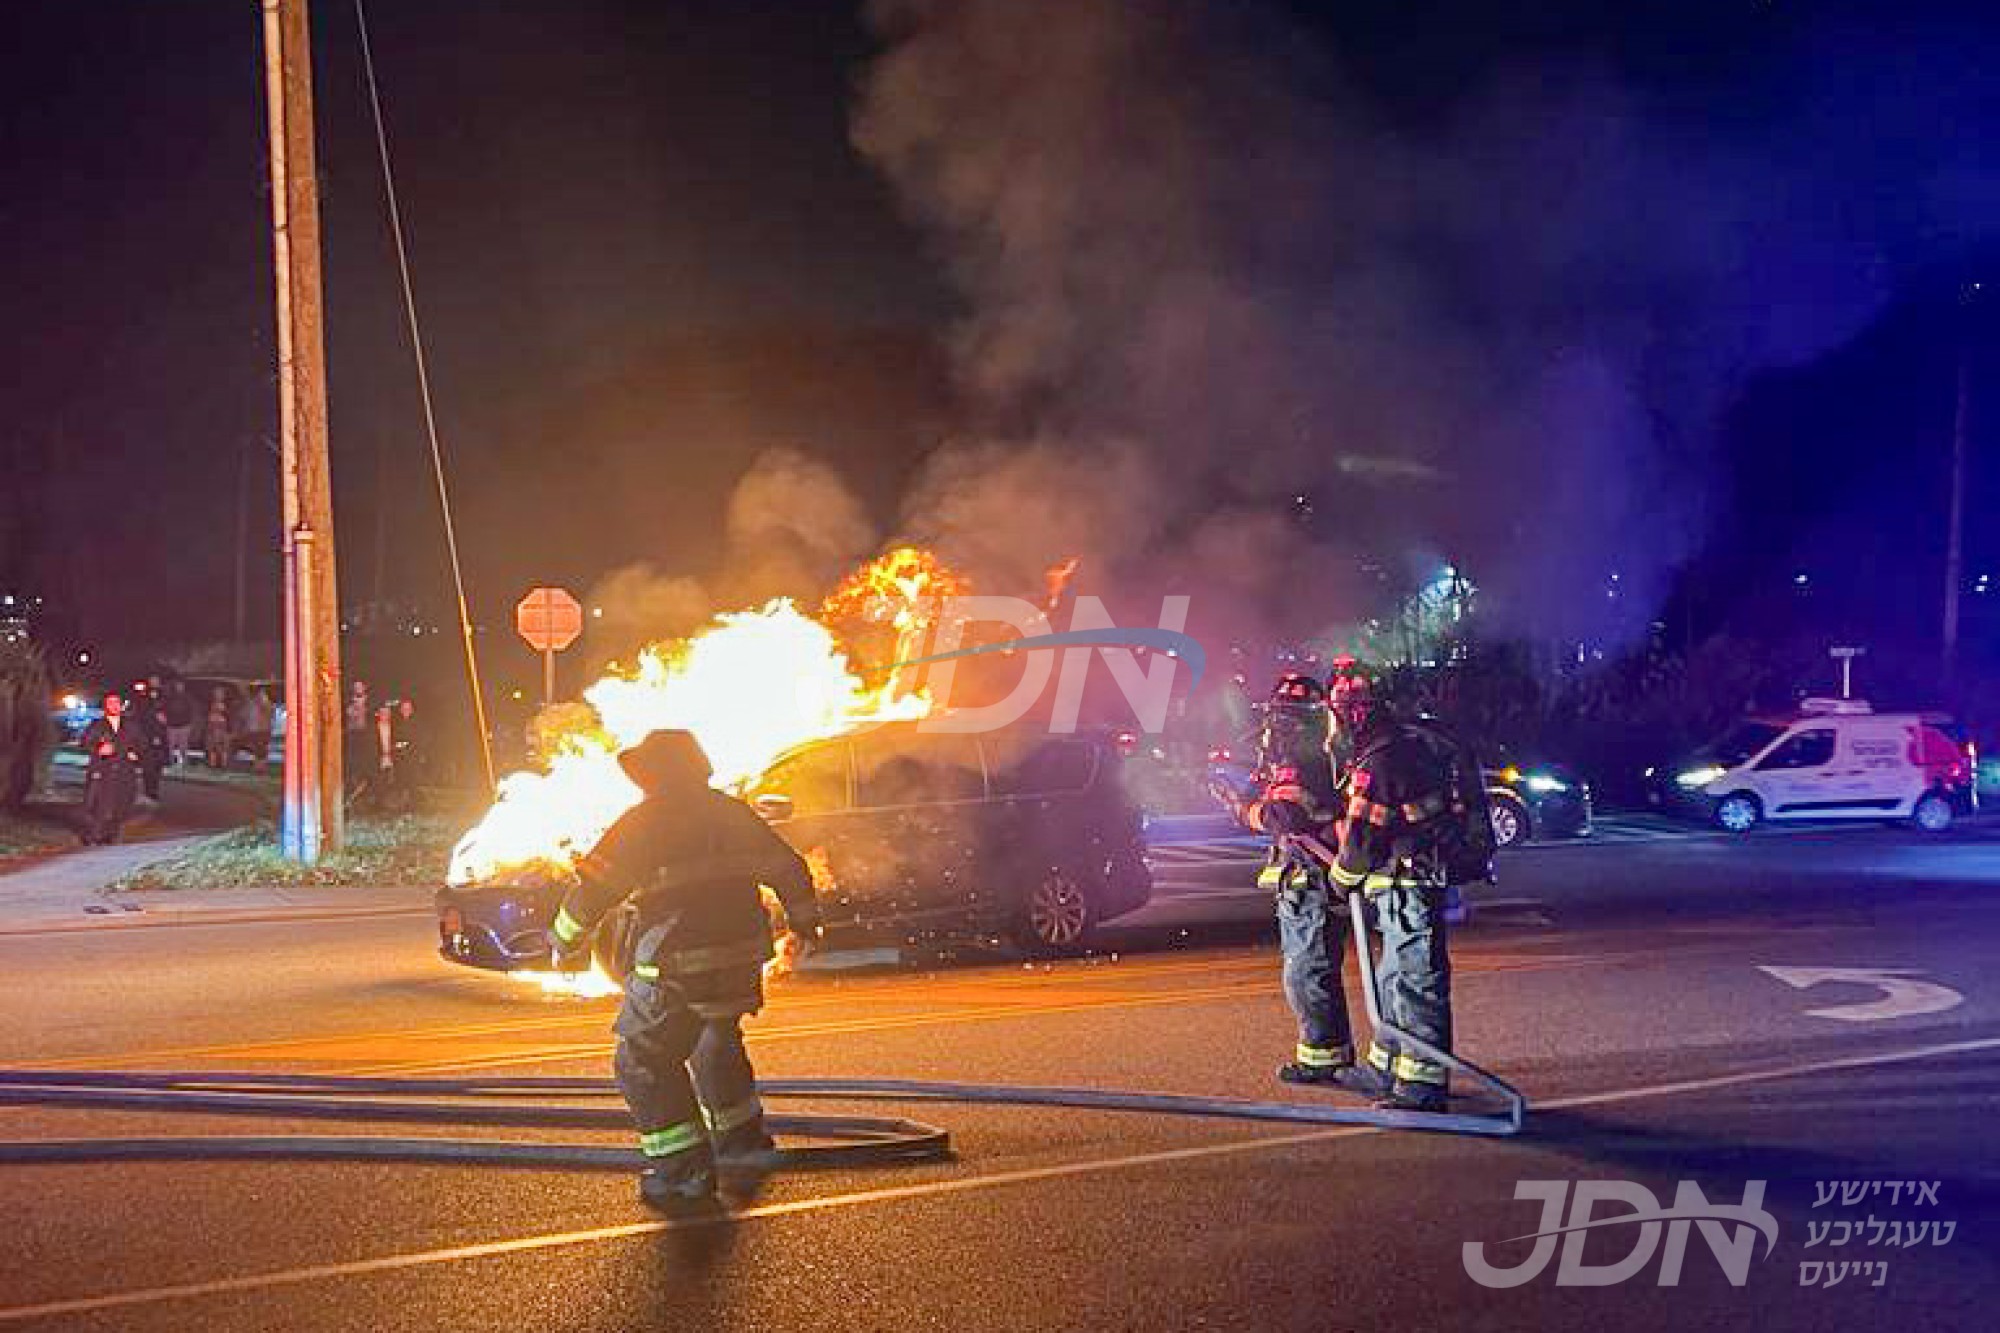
x=396, y=1263
x=1903, y=996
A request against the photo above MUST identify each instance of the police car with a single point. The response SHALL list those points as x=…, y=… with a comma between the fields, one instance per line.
x=1834, y=759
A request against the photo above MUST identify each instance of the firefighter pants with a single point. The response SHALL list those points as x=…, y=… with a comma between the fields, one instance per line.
x=1312, y=933
x=1413, y=977
x=681, y=1064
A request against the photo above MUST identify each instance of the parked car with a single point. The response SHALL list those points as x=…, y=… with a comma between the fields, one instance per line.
x=73, y=712
x=1834, y=759
x=1537, y=802
x=236, y=689
x=1016, y=835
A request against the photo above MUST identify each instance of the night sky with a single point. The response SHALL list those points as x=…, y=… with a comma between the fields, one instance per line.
x=654, y=242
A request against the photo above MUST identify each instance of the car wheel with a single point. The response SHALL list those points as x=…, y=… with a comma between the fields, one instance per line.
x=1933, y=813
x=1512, y=824
x=1739, y=812
x=1057, y=915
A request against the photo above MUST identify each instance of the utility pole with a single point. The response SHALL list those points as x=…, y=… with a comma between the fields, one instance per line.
x=241, y=605
x=313, y=819
x=1954, y=559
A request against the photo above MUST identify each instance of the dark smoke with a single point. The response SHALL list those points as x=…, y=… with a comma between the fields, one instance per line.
x=1203, y=274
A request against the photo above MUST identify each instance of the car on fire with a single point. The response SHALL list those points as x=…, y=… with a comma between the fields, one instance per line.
x=1014, y=835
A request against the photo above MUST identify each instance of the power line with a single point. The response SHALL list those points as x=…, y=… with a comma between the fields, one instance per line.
x=424, y=390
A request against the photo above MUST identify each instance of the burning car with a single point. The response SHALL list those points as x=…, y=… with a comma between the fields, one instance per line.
x=1013, y=835
x=811, y=716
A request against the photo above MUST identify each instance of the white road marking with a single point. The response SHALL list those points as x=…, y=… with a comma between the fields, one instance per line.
x=930, y=1189
x=1902, y=995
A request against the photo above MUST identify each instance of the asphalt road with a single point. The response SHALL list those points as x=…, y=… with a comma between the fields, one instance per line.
x=1624, y=986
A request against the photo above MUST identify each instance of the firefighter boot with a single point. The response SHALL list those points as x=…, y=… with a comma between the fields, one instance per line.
x=682, y=1184
x=747, y=1144
x=1406, y=1095
x=1332, y=1067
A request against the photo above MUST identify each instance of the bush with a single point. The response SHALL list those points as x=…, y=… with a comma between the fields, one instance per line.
x=27, y=737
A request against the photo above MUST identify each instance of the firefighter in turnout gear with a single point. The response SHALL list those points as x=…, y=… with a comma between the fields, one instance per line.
x=692, y=859
x=1296, y=794
x=1398, y=845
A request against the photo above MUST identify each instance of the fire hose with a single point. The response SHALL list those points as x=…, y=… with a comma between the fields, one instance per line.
x=827, y=1140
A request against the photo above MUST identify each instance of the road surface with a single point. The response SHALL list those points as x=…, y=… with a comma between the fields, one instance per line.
x=1813, y=1011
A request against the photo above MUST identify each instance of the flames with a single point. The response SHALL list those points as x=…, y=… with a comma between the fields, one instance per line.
x=750, y=685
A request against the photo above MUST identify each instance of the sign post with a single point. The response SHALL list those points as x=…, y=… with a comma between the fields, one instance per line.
x=550, y=620
x=1845, y=656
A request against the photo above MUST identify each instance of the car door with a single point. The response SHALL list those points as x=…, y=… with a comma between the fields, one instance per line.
x=1796, y=777
x=917, y=825
x=1874, y=772
x=807, y=798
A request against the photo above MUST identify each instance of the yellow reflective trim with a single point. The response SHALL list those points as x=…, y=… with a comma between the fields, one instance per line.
x=1320, y=1057
x=1409, y=1069
x=646, y=971
x=1378, y=1057
x=673, y=1139
x=567, y=928
x=1346, y=878
x=1271, y=877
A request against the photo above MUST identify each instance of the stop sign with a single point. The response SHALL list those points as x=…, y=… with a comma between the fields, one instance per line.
x=549, y=619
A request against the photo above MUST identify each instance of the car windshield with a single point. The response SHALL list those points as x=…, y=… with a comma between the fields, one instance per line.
x=1742, y=741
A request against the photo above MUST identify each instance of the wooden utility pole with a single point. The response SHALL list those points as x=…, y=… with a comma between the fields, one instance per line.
x=1954, y=559
x=313, y=818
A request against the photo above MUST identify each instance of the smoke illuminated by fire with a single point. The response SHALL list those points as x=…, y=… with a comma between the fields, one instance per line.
x=750, y=685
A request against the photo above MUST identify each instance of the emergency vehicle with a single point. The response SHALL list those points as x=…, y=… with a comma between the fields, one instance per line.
x=1834, y=759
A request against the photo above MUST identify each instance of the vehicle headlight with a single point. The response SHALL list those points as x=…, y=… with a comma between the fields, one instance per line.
x=1545, y=782
x=1700, y=777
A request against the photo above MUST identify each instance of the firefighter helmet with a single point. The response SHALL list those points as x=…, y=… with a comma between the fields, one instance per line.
x=1295, y=688
x=1350, y=695
x=666, y=760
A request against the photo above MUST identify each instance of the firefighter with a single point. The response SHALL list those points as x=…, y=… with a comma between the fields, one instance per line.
x=693, y=859
x=1296, y=794
x=1402, y=808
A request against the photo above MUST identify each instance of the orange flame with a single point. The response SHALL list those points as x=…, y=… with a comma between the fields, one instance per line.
x=1057, y=577
x=750, y=686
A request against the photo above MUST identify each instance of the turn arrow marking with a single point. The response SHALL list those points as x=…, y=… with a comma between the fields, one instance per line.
x=1902, y=996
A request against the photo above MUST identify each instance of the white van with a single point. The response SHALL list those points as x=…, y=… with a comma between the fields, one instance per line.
x=1836, y=759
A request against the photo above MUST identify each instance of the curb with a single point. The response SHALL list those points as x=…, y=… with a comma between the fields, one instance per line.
x=205, y=916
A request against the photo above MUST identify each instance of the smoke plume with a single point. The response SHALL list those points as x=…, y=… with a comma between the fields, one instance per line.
x=1229, y=320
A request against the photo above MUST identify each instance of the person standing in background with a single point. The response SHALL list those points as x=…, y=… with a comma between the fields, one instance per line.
x=215, y=734
x=143, y=713
x=115, y=747
x=258, y=713
x=177, y=710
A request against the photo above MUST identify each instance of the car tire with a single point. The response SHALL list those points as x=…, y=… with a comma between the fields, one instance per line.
x=1057, y=916
x=1512, y=824
x=1932, y=813
x=1739, y=812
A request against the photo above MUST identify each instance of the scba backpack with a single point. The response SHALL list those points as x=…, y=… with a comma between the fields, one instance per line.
x=1459, y=840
